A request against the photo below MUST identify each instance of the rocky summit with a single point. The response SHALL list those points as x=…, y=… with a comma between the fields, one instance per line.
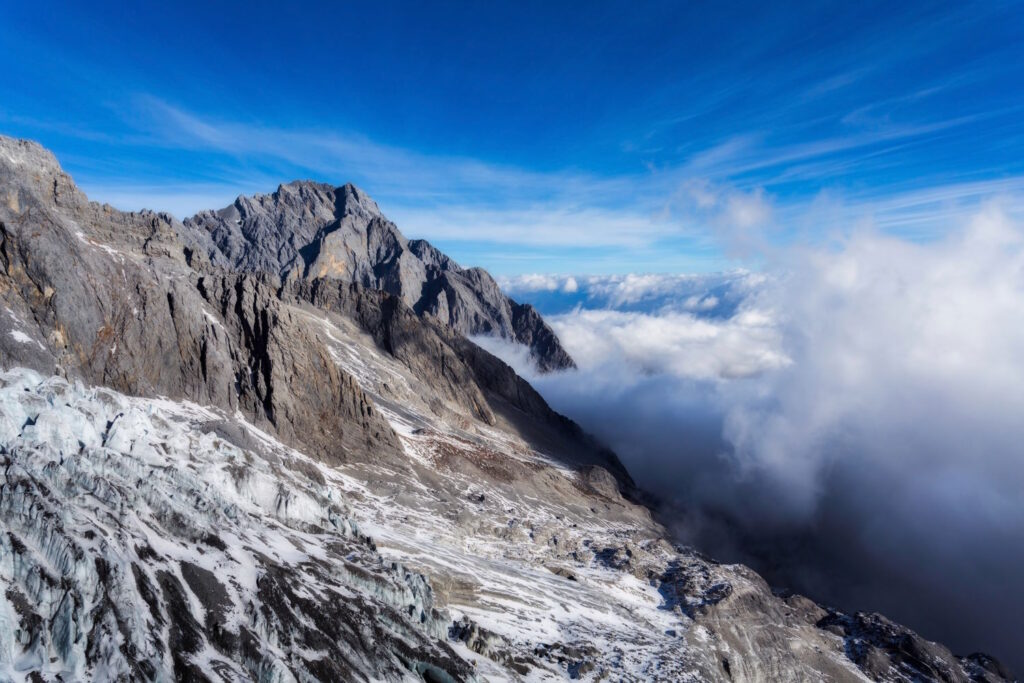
x=258, y=445
x=311, y=231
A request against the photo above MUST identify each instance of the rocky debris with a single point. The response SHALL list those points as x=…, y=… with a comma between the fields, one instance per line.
x=312, y=231
x=690, y=588
x=887, y=651
x=579, y=660
x=462, y=373
x=981, y=667
x=134, y=546
x=489, y=644
x=600, y=481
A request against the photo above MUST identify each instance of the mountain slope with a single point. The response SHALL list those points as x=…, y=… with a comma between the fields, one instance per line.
x=108, y=296
x=141, y=544
x=221, y=463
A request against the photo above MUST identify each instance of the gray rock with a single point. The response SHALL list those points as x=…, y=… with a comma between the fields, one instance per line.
x=311, y=231
x=109, y=297
x=883, y=649
x=460, y=371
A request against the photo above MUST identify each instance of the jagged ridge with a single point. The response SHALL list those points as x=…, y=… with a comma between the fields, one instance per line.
x=313, y=231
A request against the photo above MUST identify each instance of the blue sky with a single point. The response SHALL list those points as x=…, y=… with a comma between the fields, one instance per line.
x=541, y=137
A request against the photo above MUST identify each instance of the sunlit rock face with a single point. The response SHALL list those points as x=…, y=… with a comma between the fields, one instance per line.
x=215, y=470
x=314, y=231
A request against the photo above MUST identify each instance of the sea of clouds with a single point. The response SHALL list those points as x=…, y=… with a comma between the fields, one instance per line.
x=849, y=420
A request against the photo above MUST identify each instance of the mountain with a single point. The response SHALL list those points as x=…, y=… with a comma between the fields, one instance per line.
x=311, y=231
x=258, y=445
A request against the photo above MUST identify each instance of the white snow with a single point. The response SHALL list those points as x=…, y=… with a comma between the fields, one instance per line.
x=23, y=338
x=123, y=474
x=141, y=482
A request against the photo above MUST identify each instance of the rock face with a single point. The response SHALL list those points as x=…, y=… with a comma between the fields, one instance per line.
x=259, y=446
x=108, y=296
x=458, y=370
x=313, y=231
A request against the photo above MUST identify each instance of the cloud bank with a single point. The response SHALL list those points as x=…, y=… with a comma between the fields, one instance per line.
x=716, y=295
x=852, y=427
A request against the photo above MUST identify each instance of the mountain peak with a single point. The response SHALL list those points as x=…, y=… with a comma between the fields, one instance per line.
x=310, y=230
x=27, y=155
x=29, y=165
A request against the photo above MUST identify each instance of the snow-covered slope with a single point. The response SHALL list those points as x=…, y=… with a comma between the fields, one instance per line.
x=140, y=542
x=151, y=539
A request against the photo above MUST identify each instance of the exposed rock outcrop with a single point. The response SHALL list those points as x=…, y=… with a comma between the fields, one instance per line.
x=313, y=231
x=108, y=296
x=460, y=371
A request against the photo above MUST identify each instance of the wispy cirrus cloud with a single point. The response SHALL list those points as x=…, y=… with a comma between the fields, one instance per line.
x=405, y=174
x=747, y=153
x=472, y=206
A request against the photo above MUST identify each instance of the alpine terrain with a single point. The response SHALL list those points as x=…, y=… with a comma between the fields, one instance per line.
x=258, y=445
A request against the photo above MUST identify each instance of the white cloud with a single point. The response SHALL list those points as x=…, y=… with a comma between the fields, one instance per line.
x=857, y=419
x=700, y=303
x=464, y=199
x=702, y=295
x=551, y=224
x=530, y=282
x=900, y=350
x=679, y=344
x=621, y=291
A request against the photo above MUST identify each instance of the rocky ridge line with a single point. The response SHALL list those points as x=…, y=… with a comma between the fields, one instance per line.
x=309, y=230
